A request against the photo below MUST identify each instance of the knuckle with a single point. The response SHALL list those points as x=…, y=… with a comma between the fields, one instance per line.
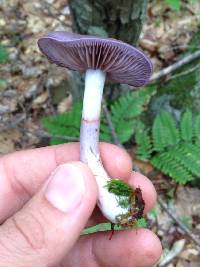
x=30, y=228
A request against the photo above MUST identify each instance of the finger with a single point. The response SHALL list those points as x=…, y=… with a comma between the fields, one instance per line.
x=131, y=248
x=23, y=173
x=51, y=221
x=148, y=190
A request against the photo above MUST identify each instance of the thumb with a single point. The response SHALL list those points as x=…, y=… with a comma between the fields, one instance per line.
x=47, y=227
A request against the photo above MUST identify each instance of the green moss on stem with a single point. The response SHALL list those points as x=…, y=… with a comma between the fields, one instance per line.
x=119, y=188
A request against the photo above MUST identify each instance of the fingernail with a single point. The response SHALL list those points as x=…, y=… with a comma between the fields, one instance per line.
x=66, y=188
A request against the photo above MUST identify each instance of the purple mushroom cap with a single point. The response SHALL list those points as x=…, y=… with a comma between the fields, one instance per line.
x=121, y=62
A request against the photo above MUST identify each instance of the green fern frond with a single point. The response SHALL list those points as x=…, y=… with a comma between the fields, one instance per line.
x=143, y=141
x=124, y=130
x=191, y=148
x=172, y=132
x=181, y=162
x=172, y=150
x=197, y=143
x=167, y=164
x=57, y=141
x=131, y=104
x=105, y=134
x=66, y=124
x=186, y=155
x=147, y=92
x=186, y=126
x=158, y=135
x=164, y=131
x=197, y=127
x=127, y=108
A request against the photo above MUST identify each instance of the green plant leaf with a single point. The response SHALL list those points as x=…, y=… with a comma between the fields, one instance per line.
x=126, y=110
x=173, y=148
x=4, y=55
x=97, y=228
x=186, y=126
x=66, y=124
x=164, y=132
x=187, y=155
x=174, y=4
x=166, y=163
x=143, y=141
x=197, y=127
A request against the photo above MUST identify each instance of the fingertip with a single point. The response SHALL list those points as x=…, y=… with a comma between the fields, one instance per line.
x=148, y=190
x=130, y=248
x=151, y=247
x=141, y=248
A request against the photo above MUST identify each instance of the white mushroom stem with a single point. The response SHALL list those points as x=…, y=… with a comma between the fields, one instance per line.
x=89, y=143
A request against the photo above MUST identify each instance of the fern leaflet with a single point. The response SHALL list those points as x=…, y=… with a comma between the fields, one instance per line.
x=184, y=155
x=186, y=126
x=175, y=152
x=164, y=131
x=197, y=127
x=66, y=124
x=165, y=162
x=143, y=140
x=126, y=110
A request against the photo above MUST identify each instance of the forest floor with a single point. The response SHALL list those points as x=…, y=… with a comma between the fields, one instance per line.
x=27, y=93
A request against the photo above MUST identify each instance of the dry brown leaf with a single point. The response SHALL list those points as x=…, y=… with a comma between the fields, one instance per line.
x=65, y=105
x=7, y=141
x=187, y=201
x=190, y=253
x=149, y=45
x=40, y=99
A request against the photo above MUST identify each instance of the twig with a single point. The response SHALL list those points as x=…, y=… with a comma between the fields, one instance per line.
x=179, y=223
x=184, y=72
x=182, y=46
x=110, y=124
x=55, y=16
x=43, y=134
x=160, y=201
x=13, y=124
x=187, y=59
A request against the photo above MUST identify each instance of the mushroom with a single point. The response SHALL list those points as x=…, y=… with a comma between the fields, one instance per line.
x=100, y=58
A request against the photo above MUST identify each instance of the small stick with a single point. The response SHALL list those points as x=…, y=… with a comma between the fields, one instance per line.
x=112, y=225
x=13, y=124
x=110, y=124
x=179, y=223
x=164, y=72
x=43, y=134
x=184, y=72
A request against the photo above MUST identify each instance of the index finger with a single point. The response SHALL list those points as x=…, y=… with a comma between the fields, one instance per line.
x=22, y=173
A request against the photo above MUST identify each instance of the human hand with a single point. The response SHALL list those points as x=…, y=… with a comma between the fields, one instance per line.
x=44, y=207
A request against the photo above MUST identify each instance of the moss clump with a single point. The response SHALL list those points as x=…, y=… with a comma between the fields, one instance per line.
x=119, y=188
